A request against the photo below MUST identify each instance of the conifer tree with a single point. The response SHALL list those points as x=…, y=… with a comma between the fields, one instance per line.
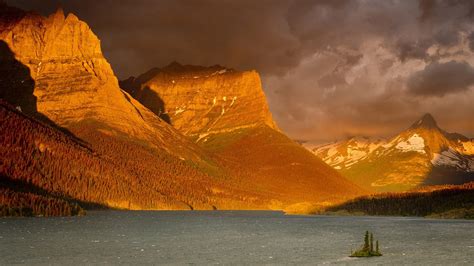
x=366, y=241
x=371, y=242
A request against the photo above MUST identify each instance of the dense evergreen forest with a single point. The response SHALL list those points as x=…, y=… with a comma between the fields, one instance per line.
x=437, y=202
x=56, y=168
x=17, y=203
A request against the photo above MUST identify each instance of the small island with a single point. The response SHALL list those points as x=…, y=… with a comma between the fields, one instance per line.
x=367, y=250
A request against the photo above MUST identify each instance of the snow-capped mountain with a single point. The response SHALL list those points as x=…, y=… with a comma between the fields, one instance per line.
x=422, y=154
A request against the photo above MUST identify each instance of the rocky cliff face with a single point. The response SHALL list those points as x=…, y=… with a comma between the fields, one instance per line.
x=203, y=100
x=66, y=78
x=66, y=64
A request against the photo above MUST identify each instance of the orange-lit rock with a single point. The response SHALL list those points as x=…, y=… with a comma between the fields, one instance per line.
x=201, y=101
x=74, y=86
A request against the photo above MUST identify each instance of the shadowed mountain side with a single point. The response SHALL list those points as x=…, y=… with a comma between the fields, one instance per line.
x=446, y=175
x=16, y=84
x=17, y=88
x=153, y=102
x=23, y=187
x=18, y=198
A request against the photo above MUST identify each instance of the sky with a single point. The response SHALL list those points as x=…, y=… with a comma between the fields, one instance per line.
x=330, y=68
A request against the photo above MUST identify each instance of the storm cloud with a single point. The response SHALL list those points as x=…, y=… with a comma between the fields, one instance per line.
x=439, y=79
x=330, y=69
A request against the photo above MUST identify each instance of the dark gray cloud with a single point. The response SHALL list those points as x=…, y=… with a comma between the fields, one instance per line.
x=140, y=34
x=439, y=79
x=471, y=41
x=412, y=50
x=426, y=8
x=330, y=68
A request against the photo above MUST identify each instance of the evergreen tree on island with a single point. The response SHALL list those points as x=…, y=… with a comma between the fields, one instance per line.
x=366, y=241
x=367, y=249
x=371, y=242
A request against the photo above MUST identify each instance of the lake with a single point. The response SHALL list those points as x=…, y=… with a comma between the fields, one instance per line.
x=230, y=237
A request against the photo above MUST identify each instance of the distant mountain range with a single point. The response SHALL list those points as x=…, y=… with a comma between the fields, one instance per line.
x=423, y=154
x=178, y=137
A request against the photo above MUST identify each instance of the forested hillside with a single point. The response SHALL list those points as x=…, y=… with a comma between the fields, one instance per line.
x=440, y=201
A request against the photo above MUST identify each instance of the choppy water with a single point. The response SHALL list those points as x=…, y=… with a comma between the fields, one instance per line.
x=225, y=237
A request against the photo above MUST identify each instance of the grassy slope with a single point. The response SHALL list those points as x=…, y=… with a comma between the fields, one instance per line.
x=389, y=173
x=267, y=162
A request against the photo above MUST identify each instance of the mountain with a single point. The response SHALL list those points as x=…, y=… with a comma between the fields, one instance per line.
x=67, y=80
x=198, y=100
x=225, y=112
x=74, y=135
x=423, y=154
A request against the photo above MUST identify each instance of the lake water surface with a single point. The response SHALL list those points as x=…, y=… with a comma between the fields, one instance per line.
x=230, y=237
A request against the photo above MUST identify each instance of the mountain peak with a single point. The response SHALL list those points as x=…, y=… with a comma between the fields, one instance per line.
x=59, y=11
x=426, y=121
x=58, y=16
x=176, y=67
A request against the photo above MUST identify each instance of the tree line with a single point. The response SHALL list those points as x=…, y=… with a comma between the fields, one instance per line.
x=427, y=202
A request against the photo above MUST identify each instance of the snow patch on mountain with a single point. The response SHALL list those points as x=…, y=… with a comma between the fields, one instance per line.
x=332, y=151
x=335, y=161
x=448, y=157
x=452, y=158
x=414, y=143
x=347, y=152
x=355, y=154
x=471, y=165
x=179, y=110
